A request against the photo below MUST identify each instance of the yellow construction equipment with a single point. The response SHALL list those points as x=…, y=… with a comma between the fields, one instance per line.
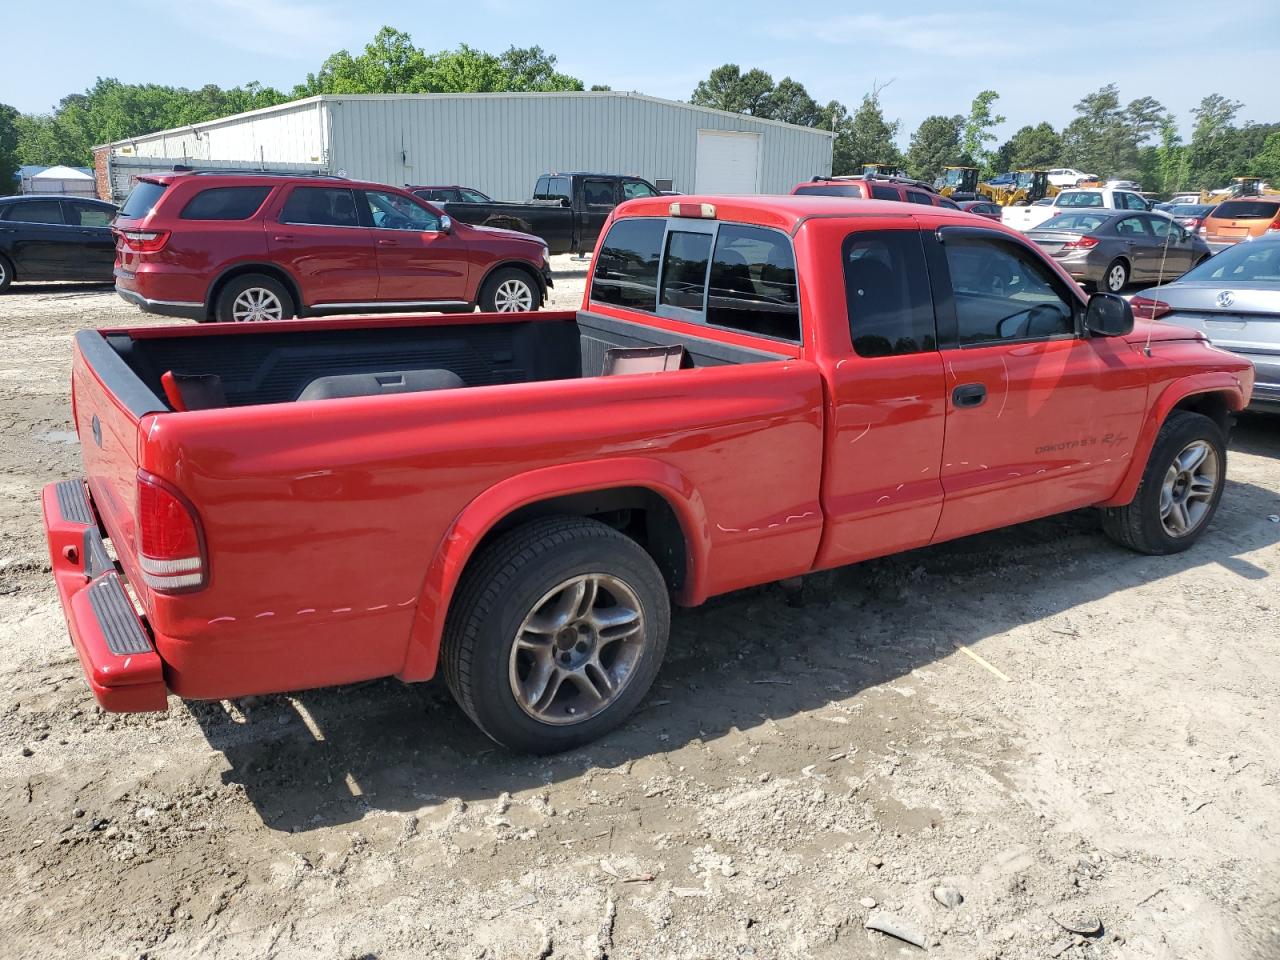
x=958, y=183
x=1240, y=187
x=1028, y=186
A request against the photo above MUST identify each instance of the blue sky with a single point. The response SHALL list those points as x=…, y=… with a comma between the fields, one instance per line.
x=936, y=55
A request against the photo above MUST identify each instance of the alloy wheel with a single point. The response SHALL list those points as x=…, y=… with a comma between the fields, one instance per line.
x=577, y=649
x=256, y=304
x=1189, y=487
x=513, y=296
x=1116, y=278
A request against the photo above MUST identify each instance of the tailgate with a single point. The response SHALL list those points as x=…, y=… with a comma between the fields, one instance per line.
x=109, y=403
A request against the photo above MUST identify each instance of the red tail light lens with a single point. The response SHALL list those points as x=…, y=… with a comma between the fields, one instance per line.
x=145, y=241
x=1275, y=224
x=1084, y=243
x=171, y=550
x=1145, y=308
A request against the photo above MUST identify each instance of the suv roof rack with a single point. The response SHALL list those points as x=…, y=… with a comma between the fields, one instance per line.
x=182, y=168
x=888, y=177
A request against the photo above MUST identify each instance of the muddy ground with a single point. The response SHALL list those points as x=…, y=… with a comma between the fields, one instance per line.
x=796, y=769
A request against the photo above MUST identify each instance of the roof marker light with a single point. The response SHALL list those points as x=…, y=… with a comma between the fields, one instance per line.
x=703, y=211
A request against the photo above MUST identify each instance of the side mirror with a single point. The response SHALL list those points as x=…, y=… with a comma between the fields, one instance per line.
x=446, y=224
x=1108, y=315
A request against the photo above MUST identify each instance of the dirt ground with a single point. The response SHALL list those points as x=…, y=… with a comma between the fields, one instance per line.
x=802, y=764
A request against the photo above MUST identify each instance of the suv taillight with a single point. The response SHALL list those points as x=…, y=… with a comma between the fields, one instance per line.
x=171, y=552
x=145, y=241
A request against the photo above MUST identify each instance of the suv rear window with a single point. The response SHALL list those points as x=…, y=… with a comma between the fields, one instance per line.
x=1246, y=210
x=885, y=193
x=142, y=199
x=832, y=190
x=224, y=203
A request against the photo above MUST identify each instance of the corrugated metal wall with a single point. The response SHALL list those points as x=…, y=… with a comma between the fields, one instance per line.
x=500, y=143
x=290, y=134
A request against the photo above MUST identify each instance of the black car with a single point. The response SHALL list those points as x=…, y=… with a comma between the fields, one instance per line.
x=55, y=238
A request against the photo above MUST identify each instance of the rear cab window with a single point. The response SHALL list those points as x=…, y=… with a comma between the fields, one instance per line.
x=731, y=276
x=887, y=292
x=142, y=199
x=224, y=203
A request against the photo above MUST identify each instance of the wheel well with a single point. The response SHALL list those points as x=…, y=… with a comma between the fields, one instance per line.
x=240, y=270
x=518, y=265
x=644, y=516
x=1215, y=406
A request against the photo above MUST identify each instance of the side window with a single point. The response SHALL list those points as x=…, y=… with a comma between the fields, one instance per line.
x=540, y=190
x=1131, y=227
x=36, y=211
x=887, y=290
x=224, y=203
x=1160, y=227
x=559, y=189
x=684, y=270
x=1003, y=293
x=885, y=193
x=598, y=193
x=322, y=206
x=635, y=188
x=391, y=211
x=91, y=214
x=435, y=196
x=472, y=196
x=915, y=196
x=753, y=283
x=626, y=271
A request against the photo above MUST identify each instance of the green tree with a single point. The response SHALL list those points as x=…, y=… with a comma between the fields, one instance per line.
x=1266, y=163
x=532, y=69
x=934, y=145
x=870, y=136
x=978, y=126
x=8, y=148
x=1144, y=119
x=728, y=88
x=1172, y=164
x=1031, y=148
x=790, y=102
x=1209, y=153
x=1101, y=138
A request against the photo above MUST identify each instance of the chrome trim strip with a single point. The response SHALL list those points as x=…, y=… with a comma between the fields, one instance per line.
x=139, y=298
x=389, y=303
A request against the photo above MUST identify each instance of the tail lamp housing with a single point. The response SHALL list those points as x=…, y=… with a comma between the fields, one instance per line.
x=171, y=550
x=145, y=241
x=1083, y=243
x=1147, y=308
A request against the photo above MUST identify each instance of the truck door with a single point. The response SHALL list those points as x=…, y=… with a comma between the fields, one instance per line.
x=597, y=198
x=95, y=243
x=882, y=491
x=1041, y=417
x=320, y=239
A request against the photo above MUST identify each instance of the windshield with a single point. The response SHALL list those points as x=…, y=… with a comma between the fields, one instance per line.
x=1253, y=260
x=953, y=178
x=1024, y=179
x=1079, y=199
x=1074, y=222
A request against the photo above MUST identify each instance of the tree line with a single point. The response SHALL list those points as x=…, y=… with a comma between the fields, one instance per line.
x=1138, y=140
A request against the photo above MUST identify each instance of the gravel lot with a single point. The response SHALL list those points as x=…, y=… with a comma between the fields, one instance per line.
x=802, y=764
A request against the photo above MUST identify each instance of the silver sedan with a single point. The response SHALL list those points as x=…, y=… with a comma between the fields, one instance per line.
x=1234, y=299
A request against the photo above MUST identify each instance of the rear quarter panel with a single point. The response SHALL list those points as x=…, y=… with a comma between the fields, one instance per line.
x=323, y=518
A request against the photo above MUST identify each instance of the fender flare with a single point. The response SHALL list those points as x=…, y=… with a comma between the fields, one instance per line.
x=484, y=512
x=1216, y=381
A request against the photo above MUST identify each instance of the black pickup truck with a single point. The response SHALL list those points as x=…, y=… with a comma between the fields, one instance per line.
x=567, y=209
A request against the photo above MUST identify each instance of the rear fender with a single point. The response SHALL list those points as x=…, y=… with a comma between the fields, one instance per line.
x=1216, y=381
x=489, y=508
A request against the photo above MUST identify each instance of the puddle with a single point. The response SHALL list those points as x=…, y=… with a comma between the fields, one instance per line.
x=58, y=436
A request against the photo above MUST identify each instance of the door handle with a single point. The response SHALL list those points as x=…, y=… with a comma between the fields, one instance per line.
x=283, y=238
x=388, y=243
x=969, y=395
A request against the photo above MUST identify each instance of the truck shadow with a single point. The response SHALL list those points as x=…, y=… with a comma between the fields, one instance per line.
x=328, y=757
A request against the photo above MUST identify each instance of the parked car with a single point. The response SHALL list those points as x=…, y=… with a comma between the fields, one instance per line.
x=451, y=194
x=982, y=208
x=1234, y=300
x=251, y=247
x=1234, y=220
x=1185, y=198
x=1111, y=249
x=1092, y=198
x=566, y=212
x=55, y=238
x=516, y=503
x=891, y=187
x=1002, y=180
x=1190, y=215
x=1068, y=177
x=1123, y=185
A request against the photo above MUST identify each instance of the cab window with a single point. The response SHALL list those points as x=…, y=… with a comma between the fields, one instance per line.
x=1002, y=293
x=752, y=284
x=636, y=188
x=626, y=270
x=887, y=293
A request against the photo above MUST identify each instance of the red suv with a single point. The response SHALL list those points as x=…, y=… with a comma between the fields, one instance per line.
x=236, y=247
x=877, y=188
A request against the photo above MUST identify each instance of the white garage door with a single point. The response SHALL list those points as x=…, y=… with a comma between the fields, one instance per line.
x=728, y=162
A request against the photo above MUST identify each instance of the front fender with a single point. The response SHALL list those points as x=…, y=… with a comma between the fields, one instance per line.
x=1214, y=381
x=499, y=501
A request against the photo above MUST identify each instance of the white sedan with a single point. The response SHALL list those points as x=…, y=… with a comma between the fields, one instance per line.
x=1066, y=177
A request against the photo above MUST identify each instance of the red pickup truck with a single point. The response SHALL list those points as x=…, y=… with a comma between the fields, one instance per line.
x=754, y=388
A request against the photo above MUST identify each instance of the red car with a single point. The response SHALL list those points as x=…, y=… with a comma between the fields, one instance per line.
x=237, y=247
x=875, y=188
x=982, y=208
x=450, y=194
x=515, y=502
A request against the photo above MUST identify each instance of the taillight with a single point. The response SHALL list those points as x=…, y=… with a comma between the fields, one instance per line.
x=1275, y=224
x=1083, y=243
x=145, y=241
x=1145, y=308
x=171, y=550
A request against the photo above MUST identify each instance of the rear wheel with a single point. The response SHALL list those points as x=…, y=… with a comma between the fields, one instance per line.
x=1116, y=277
x=1180, y=489
x=252, y=298
x=555, y=634
x=6, y=274
x=510, y=290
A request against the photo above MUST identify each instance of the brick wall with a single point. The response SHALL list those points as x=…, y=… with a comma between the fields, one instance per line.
x=100, y=176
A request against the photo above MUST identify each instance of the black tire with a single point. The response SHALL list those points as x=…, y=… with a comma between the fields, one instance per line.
x=268, y=287
x=1138, y=525
x=6, y=274
x=503, y=586
x=501, y=292
x=1117, y=269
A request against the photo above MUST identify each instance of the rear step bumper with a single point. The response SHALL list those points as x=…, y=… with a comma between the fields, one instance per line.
x=116, y=653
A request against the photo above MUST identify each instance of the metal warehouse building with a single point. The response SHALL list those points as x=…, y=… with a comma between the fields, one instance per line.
x=496, y=142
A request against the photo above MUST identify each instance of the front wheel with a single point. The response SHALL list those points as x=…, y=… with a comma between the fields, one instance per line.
x=510, y=290
x=1180, y=489
x=1117, y=276
x=555, y=634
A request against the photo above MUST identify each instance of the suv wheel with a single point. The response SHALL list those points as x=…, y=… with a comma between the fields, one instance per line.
x=510, y=290
x=1180, y=489
x=6, y=274
x=555, y=634
x=252, y=298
